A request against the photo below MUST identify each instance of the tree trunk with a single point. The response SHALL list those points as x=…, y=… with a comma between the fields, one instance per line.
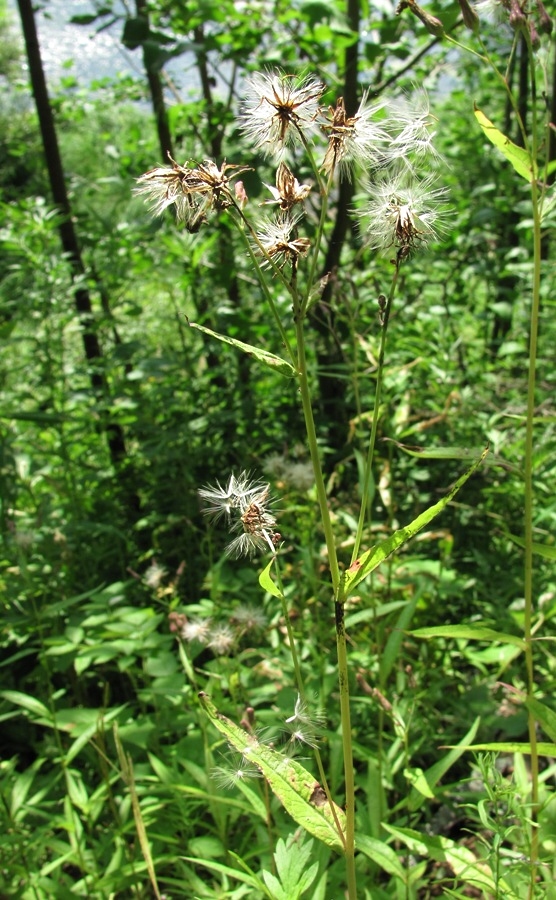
x=157, y=94
x=67, y=231
x=332, y=330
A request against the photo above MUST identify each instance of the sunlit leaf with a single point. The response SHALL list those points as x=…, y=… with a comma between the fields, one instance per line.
x=269, y=359
x=517, y=156
x=294, y=786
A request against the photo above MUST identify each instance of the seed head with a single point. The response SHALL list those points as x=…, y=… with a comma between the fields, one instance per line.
x=403, y=213
x=279, y=109
x=244, y=503
x=279, y=241
x=355, y=140
x=194, y=192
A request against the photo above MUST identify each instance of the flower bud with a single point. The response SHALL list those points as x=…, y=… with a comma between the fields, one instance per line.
x=545, y=22
x=470, y=17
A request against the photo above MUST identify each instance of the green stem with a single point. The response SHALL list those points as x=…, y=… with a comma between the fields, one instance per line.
x=314, y=451
x=343, y=680
x=528, y=475
x=303, y=695
x=374, y=426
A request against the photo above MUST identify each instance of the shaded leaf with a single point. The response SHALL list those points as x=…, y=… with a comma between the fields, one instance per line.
x=371, y=559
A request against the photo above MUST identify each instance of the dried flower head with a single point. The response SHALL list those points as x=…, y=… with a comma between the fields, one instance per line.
x=279, y=243
x=194, y=192
x=221, y=639
x=279, y=109
x=245, y=504
x=403, y=213
x=196, y=630
x=249, y=618
x=288, y=191
x=355, y=140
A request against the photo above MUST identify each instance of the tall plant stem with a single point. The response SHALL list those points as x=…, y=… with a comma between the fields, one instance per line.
x=314, y=451
x=528, y=469
x=343, y=677
x=302, y=693
x=374, y=426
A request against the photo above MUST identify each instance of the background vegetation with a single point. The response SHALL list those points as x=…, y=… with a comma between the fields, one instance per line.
x=105, y=554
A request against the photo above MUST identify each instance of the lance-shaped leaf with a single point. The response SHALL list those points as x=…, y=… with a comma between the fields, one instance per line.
x=519, y=158
x=294, y=786
x=269, y=359
x=473, y=632
x=371, y=559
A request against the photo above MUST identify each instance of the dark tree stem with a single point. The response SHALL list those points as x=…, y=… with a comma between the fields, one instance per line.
x=68, y=235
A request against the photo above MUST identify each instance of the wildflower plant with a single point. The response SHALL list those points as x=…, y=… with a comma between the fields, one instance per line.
x=387, y=150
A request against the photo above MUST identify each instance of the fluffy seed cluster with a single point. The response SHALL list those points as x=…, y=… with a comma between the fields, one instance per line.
x=193, y=192
x=281, y=114
x=244, y=504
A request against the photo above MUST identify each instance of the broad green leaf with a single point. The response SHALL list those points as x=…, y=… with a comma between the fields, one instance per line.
x=295, y=787
x=469, y=633
x=540, y=549
x=269, y=359
x=517, y=156
x=463, y=861
x=371, y=559
x=545, y=717
x=267, y=583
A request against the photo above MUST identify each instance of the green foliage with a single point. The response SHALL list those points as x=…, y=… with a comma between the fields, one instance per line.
x=110, y=773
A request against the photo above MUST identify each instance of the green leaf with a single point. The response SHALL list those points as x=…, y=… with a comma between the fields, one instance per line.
x=517, y=156
x=543, y=748
x=540, y=549
x=371, y=559
x=212, y=866
x=267, y=583
x=435, y=772
x=31, y=704
x=460, y=453
x=545, y=716
x=295, y=874
x=382, y=855
x=269, y=359
x=470, y=633
x=463, y=861
x=295, y=787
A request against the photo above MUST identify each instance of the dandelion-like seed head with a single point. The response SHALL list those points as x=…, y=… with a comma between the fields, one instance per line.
x=245, y=505
x=279, y=243
x=193, y=191
x=355, y=140
x=196, y=630
x=249, y=618
x=404, y=213
x=279, y=109
x=221, y=639
x=154, y=575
